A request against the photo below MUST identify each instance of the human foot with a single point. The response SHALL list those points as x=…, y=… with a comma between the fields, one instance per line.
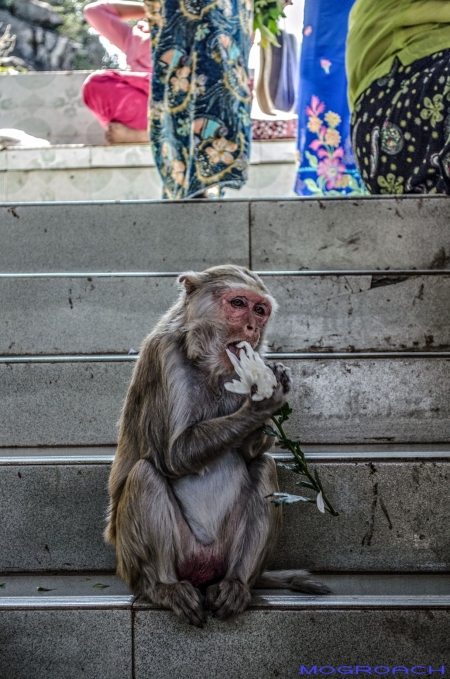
x=118, y=133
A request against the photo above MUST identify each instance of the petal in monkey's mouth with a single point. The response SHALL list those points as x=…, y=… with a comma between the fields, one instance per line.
x=234, y=348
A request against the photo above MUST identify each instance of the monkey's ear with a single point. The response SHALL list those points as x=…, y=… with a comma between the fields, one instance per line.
x=190, y=281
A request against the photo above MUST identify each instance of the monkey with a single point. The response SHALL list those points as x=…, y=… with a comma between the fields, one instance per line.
x=189, y=514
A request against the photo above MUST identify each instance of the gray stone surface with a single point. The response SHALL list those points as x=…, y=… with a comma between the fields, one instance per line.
x=81, y=315
x=66, y=588
x=368, y=233
x=142, y=236
x=371, y=233
x=317, y=313
x=344, y=313
x=390, y=518
x=393, y=516
x=65, y=403
x=65, y=644
x=335, y=401
x=38, y=47
x=103, y=586
x=53, y=517
x=263, y=644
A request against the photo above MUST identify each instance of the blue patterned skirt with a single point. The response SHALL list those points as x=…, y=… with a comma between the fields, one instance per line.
x=200, y=126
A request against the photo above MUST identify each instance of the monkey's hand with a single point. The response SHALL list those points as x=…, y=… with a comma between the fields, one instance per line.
x=255, y=444
x=268, y=406
x=283, y=375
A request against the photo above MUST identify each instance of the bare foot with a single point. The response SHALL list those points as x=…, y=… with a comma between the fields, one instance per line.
x=184, y=599
x=228, y=598
x=117, y=133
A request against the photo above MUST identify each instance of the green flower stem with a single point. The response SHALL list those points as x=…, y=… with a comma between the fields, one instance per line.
x=299, y=455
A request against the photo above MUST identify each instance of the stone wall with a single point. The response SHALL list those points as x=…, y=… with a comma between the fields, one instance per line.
x=40, y=39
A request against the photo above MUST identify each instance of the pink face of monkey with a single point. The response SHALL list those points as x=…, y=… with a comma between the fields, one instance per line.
x=246, y=313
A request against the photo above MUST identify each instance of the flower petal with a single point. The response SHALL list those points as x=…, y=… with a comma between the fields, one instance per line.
x=235, y=362
x=320, y=504
x=237, y=387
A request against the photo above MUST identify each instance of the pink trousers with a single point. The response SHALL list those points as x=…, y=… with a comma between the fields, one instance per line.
x=118, y=96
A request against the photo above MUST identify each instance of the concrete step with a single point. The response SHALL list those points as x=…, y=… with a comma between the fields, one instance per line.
x=44, y=314
x=364, y=234
x=354, y=398
x=125, y=172
x=378, y=621
x=392, y=503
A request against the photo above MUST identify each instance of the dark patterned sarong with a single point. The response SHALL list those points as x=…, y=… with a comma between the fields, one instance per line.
x=401, y=128
x=200, y=124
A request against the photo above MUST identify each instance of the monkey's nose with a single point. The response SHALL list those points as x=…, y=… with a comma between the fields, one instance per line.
x=251, y=333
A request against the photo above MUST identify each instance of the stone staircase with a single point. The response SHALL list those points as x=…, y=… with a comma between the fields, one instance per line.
x=364, y=324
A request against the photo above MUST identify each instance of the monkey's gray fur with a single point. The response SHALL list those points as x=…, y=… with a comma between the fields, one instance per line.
x=189, y=481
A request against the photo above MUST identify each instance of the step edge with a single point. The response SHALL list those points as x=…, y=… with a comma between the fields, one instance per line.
x=303, y=273
x=363, y=458
x=303, y=601
x=342, y=200
x=66, y=602
x=300, y=356
x=259, y=602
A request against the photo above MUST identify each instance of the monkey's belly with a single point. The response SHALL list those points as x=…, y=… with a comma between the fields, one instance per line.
x=207, y=499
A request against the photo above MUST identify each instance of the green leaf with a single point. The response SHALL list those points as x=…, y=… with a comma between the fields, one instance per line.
x=305, y=484
x=269, y=430
x=283, y=446
x=284, y=413
x=312, y=186
x=2, y=584
x=287, y=499
x=100, y=585
x=313, y=160
x=45, y=589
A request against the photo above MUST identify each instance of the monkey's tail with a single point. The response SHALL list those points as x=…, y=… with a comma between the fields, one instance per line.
x=297, y=580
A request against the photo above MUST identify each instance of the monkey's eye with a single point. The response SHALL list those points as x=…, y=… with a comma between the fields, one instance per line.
x=260, y=310
x=237, y=302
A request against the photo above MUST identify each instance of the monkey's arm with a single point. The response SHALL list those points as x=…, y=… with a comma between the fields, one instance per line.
x=255, y=444
x=200, y=444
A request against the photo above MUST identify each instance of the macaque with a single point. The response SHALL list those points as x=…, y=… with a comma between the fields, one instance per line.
x=189, y=516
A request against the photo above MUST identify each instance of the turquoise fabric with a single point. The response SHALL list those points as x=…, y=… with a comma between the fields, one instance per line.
x=200, y=126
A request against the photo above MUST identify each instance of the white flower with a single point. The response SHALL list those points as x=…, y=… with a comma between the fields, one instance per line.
x=320, y=505
x=253, y=372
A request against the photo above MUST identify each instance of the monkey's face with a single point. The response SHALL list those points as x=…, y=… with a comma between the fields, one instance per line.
x=245, y=313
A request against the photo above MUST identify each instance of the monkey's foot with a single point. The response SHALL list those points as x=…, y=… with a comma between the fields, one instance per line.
x=184, y=600
x=228, y=598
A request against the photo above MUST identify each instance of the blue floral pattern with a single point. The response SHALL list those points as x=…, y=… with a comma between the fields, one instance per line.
x=326, y=162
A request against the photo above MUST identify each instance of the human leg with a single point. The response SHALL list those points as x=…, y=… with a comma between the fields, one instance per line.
x=199, y=117
x=120, y=102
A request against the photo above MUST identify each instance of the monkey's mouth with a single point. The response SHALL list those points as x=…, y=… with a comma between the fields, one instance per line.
x=234, y=349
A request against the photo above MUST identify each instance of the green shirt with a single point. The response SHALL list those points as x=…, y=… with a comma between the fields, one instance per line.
x=380, y=30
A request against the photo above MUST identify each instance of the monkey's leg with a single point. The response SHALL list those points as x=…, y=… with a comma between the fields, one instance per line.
x=252, y=545
x=151, y=534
